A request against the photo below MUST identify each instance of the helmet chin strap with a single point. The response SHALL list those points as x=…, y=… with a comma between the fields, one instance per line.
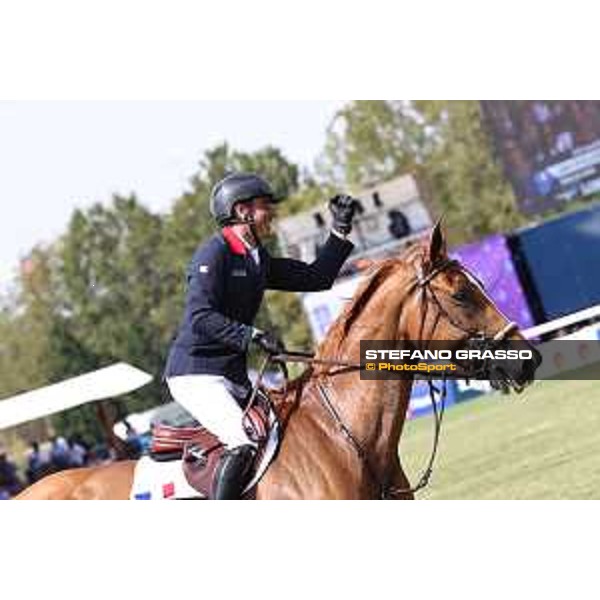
x=251, y=223
x=247, y=220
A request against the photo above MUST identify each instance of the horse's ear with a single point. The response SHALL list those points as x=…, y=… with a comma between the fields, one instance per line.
x=437, y=243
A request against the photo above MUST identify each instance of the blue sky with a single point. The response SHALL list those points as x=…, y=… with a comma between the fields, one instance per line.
x=56, y=156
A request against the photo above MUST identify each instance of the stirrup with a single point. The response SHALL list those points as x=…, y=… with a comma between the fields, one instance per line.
x=233, y=473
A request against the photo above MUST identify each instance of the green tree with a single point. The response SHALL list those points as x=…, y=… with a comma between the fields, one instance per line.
x=464, y=180
x=26, y=326
x=27, y=358
x=373, y=141
x=110, y=291
x=268, y=162
x=442, y=143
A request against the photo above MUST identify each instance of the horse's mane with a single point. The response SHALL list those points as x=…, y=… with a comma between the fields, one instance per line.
x=379, y=273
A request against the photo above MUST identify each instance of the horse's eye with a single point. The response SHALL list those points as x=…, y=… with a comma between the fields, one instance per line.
x=462, y=295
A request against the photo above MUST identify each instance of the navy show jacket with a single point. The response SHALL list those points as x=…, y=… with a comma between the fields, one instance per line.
x=225, y=287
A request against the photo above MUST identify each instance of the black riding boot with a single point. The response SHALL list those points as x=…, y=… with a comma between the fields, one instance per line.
x=233, y=473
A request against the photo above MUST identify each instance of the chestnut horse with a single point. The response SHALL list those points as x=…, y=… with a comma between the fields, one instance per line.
x=342, y=433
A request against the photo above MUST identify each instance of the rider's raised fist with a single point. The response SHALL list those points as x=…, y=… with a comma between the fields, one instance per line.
x=343, y=209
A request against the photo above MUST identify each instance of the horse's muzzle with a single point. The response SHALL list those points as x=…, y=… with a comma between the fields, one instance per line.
x=515, y=374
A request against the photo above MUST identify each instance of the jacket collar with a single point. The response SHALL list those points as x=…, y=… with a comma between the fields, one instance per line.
x=233, y=241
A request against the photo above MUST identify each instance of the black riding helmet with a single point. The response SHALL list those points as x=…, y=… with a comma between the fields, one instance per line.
x=235, y=188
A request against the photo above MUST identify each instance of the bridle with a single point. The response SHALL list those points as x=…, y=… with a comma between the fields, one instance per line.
x=421, y=284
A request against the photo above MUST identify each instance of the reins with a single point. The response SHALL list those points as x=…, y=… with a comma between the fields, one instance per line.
x=438, y=413
x=308, y=358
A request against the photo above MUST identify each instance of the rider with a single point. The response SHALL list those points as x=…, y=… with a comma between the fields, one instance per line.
x=226, y=278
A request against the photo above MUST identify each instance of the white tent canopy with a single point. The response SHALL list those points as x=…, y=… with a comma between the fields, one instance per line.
x=107, y=382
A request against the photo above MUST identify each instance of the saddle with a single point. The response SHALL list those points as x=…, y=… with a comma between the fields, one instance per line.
x=201, y=451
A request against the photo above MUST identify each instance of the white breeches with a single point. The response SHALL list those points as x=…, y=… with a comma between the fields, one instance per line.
x=209, y=400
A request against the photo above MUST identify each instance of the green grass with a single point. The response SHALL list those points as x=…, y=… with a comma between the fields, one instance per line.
x=544, y=443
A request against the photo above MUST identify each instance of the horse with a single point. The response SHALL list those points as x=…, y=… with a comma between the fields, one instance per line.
x=342, y=433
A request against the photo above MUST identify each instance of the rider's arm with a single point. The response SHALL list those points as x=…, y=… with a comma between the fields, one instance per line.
x=297, y=276
x=205, y=296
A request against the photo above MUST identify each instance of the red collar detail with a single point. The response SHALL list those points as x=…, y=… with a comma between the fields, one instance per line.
x=233, y=241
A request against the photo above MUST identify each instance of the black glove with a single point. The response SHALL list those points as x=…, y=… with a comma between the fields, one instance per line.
x=270, y=343
x=343, y=208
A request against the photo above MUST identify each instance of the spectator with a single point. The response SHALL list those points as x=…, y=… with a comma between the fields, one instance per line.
x=10, y=484
x=132, y=441
x=37, y=463
x=77, y=452
x=60, y=454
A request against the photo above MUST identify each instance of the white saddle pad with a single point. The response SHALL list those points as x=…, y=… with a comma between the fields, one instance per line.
x=153, y=480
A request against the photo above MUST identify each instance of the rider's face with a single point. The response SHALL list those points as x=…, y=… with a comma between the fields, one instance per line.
x=263, y=213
